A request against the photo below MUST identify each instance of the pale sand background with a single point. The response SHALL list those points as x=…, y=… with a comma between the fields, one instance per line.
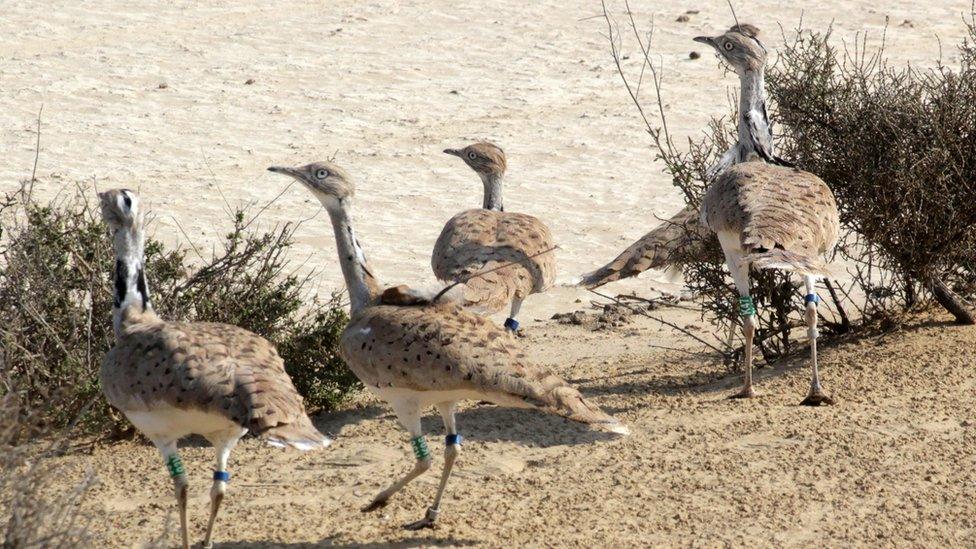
x=371, y=82
x=892, y=463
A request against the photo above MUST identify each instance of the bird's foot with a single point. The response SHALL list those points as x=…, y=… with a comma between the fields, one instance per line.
x=427, y=522
x=816, y=398
x=745, y=392
x=377, y=503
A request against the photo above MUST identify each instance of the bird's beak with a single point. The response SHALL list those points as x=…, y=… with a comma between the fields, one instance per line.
x=287, y=171
x=453, y=152
x=705, y=40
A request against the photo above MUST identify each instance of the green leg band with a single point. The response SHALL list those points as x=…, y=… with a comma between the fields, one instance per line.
x=175, y=466
x=420, y=448
x=746, y=306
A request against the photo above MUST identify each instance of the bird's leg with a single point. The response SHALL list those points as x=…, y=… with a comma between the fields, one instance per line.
x=452, y=448
x=175, y=467
x=220, y=479
x=409, y=415
x=816, y=396
x=747, y=310
x=511, y=323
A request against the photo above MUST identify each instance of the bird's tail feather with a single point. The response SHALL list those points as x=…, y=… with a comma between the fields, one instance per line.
x=655, y=250
x=789, y=261
x=548, y=392
x=299, y=434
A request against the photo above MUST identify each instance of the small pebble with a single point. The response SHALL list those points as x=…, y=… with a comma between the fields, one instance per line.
x=694, y=55
x=249, y=81
x=162, y=86
x=683, y=19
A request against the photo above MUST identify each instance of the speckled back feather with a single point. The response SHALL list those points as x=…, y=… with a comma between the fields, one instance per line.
x=215, y=368
x=479, y=240
x=442, y=347
x=787, y=217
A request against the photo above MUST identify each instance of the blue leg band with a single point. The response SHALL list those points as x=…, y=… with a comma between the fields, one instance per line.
x=811, y=298
x=746, y=306
x=222, y=475
x=452, y=440
x=511, y=324
x=420, y=448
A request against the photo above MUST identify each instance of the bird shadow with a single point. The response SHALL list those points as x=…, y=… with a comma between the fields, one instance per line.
x=332, y=422
x=448, y=541
x=482, y=421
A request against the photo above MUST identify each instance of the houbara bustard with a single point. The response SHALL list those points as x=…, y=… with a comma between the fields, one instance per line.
x=501, y=257
x=683, y=231
x=173, y=379
x=415, y=353
x=765, y=215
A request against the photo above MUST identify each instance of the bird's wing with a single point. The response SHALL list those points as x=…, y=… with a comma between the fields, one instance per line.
x=496, y=255
x=446, y=348
x=788, y=218
x=217, y=368
x=679, y=237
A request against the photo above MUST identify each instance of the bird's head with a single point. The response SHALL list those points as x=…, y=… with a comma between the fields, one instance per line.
x=327, y=181
x=121, y=210
x=740, y=47
x=483, y=157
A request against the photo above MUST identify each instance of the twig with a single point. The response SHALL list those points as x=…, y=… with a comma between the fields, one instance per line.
x=483, y=273
x=845, y=322
x=662, y=321
x=37, y=155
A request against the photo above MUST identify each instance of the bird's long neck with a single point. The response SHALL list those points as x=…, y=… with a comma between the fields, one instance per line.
x=131, y=294
x=752, y=111
x=493, y=191
x=360, y=283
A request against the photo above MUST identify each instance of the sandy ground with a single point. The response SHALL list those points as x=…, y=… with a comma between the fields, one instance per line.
x=153, y=96
x=892, y=464
x=383, y=86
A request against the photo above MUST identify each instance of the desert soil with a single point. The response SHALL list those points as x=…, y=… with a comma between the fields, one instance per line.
x=189, y=102
x=893, y=463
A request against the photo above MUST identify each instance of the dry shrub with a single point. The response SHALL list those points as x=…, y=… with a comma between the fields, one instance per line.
x=37, y=507
x=56, y=298
x=897, y=145
x=698, y=252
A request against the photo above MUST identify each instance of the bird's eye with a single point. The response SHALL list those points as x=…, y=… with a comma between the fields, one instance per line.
x=472, y=155
x=321, y=174
x=729, y=46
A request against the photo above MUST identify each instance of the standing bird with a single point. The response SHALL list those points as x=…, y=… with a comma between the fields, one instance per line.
x=500, y=257
x=414, y=352
x=682, y=235
x=172, y=379
x=767, y=216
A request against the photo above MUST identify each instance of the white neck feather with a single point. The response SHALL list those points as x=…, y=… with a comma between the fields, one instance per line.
x=493, y=192
x=360, y=282
x=131, y=289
